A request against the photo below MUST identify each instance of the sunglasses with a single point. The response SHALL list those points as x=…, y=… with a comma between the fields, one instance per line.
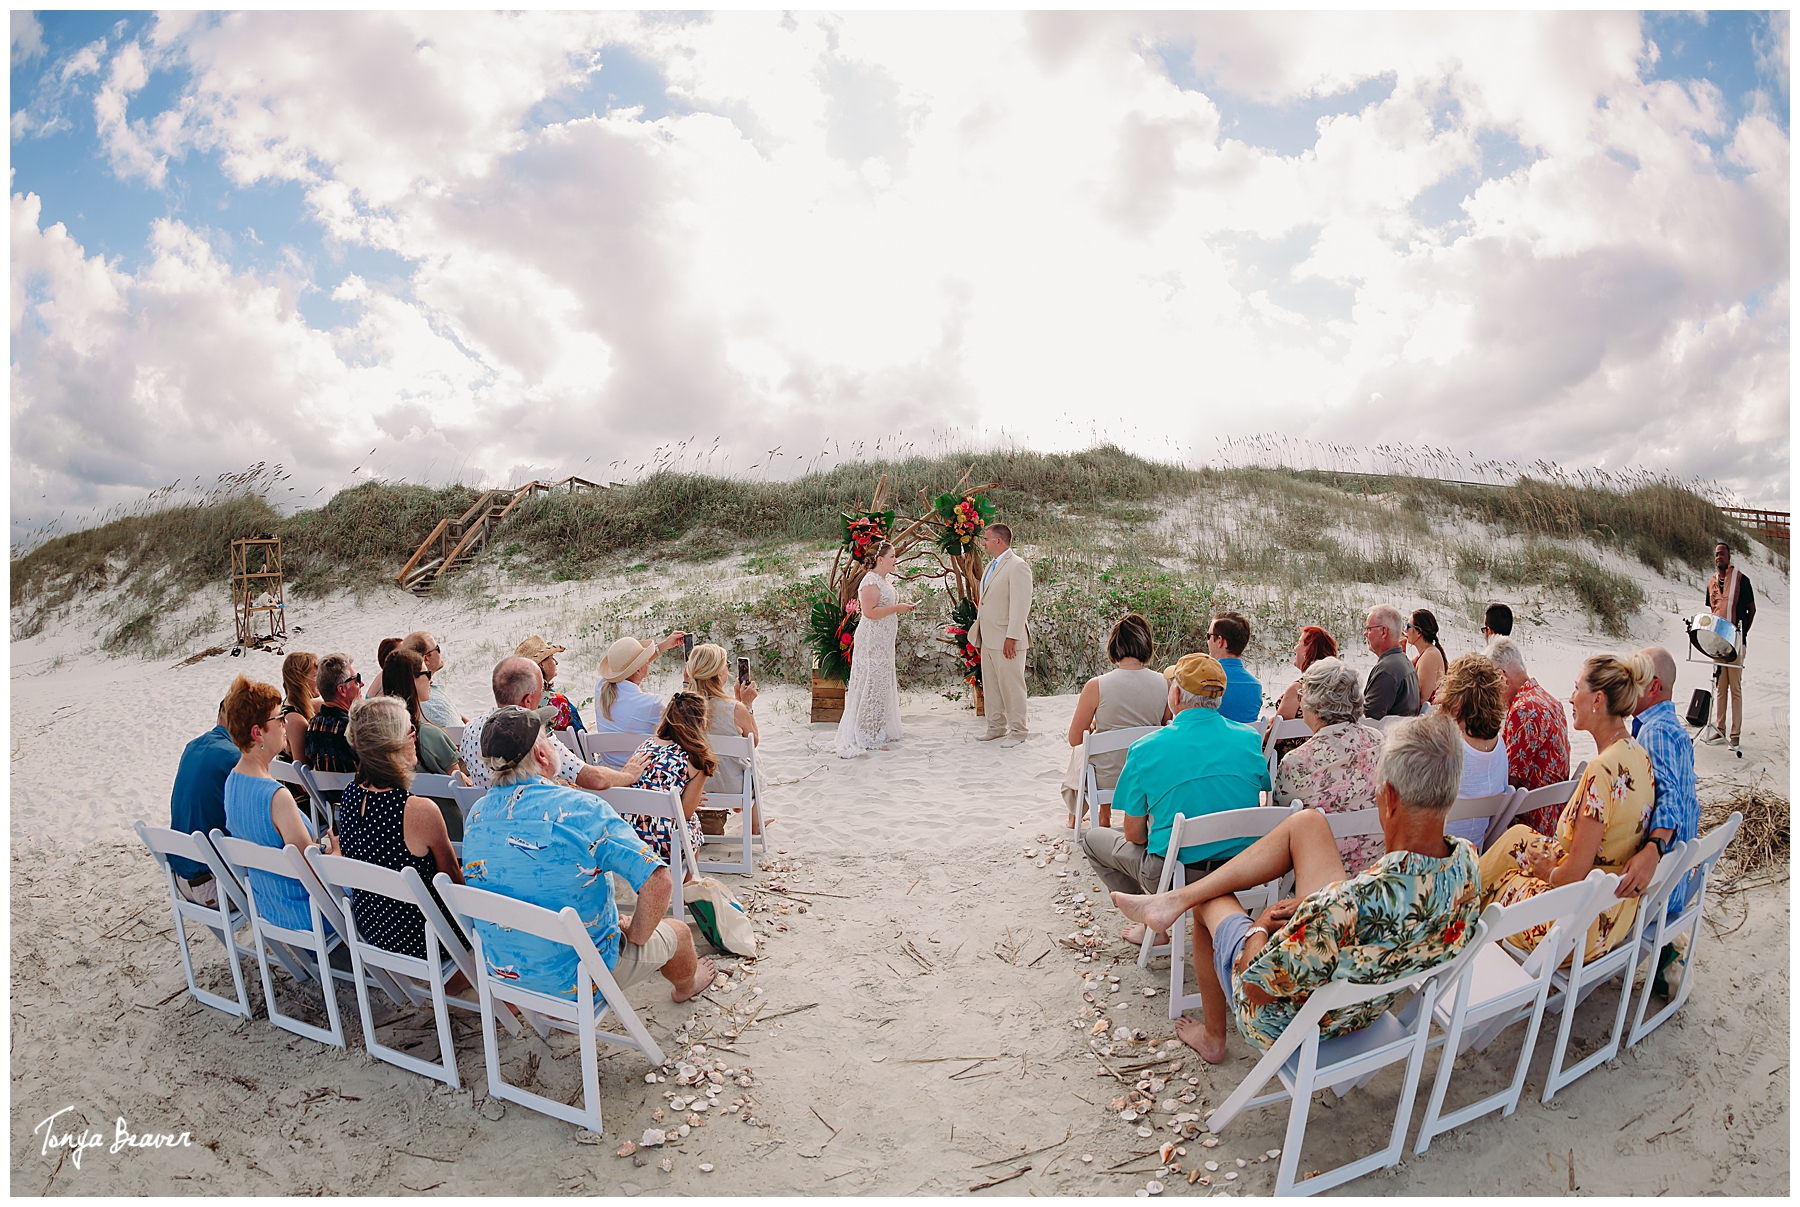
x=356, y=678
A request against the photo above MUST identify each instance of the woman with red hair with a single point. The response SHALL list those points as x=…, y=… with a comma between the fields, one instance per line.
x=1314, y=644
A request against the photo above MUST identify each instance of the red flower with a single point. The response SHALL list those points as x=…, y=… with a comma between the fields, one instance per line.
x=1453, y=933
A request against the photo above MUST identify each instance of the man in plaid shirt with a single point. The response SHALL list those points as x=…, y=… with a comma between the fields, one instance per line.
x=1676, y=817
x=1536, y=733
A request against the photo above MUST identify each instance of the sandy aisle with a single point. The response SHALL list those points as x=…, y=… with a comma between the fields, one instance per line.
x=919, y=850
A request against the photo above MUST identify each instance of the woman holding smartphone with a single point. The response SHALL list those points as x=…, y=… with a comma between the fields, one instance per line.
x=728, y=714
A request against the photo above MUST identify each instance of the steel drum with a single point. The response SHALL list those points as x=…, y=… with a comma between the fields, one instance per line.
x=1714, y=636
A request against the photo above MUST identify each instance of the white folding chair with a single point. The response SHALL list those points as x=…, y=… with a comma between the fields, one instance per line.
x=290, y=775
x=1261, y=725
x=1281, y=730
x=1582, y=977
x=221, y=919
x=594, y=746
x=475, y=907
x=319, y=783
x=455, y=733
x=660, y=802
x=1473, y=817
x=1499, y=991
x=748, y=803
x=1304, y=1063
x=1091, y=795
x=570, y=739
x=1184, y=831
x=1530, y=800
x=346, y=876
x=465, y=796
x=245, y=856
x=1699, y=858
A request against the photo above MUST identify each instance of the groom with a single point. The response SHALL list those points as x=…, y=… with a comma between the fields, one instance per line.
x=999, y=633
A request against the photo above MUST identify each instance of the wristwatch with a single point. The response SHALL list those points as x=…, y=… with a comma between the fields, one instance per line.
x=1663, y=845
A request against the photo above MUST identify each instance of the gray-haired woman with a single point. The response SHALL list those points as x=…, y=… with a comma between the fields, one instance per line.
x=1334, y=771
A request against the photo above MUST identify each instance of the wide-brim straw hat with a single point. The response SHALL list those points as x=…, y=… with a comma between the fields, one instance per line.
x=537, y=649
x=624, y=657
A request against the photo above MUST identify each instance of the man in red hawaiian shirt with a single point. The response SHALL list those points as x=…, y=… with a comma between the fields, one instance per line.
x=1536, y=732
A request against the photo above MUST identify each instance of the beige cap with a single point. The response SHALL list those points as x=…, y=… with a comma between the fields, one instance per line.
x=1198, y=674
x=624, y=657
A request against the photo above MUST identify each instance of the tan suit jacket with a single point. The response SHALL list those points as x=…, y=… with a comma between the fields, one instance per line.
x=1004, y=606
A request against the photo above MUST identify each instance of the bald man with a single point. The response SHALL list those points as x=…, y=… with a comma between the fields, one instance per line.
x=1676, y=817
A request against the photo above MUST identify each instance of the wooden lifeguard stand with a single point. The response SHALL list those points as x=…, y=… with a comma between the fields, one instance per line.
x=258, y=600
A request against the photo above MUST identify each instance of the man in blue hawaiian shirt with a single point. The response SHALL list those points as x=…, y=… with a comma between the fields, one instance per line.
x=551, y=845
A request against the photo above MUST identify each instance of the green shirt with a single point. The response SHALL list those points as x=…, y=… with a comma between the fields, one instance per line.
x=1196, y=764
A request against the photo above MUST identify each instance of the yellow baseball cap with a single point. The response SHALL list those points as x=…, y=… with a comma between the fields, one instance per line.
x=1198, y=674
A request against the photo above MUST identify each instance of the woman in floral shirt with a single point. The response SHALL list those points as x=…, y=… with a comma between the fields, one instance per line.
x=1334, y=771
x=1603, y=824
x=679, y=758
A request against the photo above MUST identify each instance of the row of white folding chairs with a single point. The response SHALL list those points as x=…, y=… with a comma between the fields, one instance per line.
x=747, y=802
x=1487, y=987
x=330, y=882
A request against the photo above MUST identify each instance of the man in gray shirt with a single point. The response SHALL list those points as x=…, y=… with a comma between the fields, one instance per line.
x=1393, y=687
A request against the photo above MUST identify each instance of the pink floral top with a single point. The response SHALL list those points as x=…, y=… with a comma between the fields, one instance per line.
x=1334, y=772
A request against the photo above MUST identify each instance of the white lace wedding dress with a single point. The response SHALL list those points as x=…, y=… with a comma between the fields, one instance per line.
x=872, y=697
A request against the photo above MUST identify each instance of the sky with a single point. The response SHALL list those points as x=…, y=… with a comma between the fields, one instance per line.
x=487, y=247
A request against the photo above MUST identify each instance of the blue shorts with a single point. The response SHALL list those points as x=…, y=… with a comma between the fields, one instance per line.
x=1228, y=940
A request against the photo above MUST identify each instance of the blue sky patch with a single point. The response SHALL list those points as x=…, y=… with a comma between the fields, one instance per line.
x=1290, y=128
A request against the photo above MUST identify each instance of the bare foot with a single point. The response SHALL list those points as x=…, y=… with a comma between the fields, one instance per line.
x=1155, y=911
x=1193, y=1033
x=704, y=973
x=1134, y=935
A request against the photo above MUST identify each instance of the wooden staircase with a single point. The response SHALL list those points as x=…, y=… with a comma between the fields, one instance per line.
x=455, y=542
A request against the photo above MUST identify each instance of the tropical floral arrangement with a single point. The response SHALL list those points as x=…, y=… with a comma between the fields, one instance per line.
x=956, y=635
x=863, y=533
x=962, y=518
x=829, y=632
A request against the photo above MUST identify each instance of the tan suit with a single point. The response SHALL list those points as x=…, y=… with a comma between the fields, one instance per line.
x=1005, y=604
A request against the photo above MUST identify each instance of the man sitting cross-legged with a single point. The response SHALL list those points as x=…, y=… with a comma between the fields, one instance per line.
x=1412, y=909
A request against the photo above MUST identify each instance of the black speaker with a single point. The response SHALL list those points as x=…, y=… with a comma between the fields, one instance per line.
x=1699, y=708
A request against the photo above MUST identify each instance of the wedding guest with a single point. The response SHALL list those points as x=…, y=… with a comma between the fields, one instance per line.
x=1315, y=643
x=1414, y=909
x=1430, y=660
x=1334, y=770
x=1129, y=696
x=676, y=757
x=525, y=837
x=1474, y=696
x=198, y=803
x=380, y=822
x=568, y=717
x=340, y=686
x=1393, y=686
x=728, y=714
x=621, y=705
x=1497, y=621
x=517, y=681
x=388, y=645
x=1536, y=732
x=259, y=809
x=300, y=683
x=409, y=682
x=1604, y=823
x=438, y=709
x=1226, y=638
x=1196, y=764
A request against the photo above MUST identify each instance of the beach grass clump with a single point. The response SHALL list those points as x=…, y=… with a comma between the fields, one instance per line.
x=1609, y=597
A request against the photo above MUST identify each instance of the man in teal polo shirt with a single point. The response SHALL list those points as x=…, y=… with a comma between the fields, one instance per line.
x=1199, y=763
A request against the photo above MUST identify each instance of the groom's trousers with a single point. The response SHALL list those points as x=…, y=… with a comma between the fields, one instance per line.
x=1003, y=689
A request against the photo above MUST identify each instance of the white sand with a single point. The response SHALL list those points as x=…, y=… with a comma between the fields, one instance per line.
x=917, y=850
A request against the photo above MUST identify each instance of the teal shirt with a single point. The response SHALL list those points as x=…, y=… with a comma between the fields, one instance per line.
x=1196, y=764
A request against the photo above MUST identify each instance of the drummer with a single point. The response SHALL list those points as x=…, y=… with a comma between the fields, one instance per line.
x=1729, y=597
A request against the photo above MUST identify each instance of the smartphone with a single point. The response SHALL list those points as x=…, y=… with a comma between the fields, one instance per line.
x=744, y=671
x=687, y=646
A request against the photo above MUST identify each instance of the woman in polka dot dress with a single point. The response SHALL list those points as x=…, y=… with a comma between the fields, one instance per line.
x=379, y=822
x=679, y=758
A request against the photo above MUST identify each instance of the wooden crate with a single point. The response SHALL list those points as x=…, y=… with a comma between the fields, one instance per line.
x=827, y=697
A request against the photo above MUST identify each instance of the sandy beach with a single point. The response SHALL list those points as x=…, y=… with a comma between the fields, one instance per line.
x=917, y=1024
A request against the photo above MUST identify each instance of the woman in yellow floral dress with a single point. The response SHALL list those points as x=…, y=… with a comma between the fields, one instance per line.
x=1603, y=824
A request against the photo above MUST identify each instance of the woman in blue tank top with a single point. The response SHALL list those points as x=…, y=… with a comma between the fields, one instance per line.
x=257, y=807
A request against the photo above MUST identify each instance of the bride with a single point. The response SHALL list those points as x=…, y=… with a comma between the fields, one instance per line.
x=872, y=698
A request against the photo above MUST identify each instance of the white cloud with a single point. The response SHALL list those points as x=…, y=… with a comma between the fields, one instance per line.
x=860, y=223
x=27, y=38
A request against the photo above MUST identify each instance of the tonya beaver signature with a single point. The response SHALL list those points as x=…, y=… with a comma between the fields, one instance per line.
x=123, y=1137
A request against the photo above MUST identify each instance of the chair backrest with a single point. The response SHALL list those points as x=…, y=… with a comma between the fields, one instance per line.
x=732, y=746
x=455, y=733
x=1358, y=823
x=164, y=842
x=1469, y=808
x=660, y=802
x=570, y=739
x=344, y=875
x=1114, y=739
x=1571, y=917
x=1223, y=826
x=465, y=796
x=281, y=861
x=438, y=787
x=593, y=745
x=1698, y=859
x=326, y=781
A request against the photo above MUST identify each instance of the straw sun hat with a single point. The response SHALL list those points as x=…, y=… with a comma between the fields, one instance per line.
x=624, y=657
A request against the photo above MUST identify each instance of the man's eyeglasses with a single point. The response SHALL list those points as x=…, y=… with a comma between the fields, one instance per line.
x=431, y=651
x=356, y=678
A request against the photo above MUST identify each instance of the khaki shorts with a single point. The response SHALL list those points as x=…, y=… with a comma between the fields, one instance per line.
x=641, y=963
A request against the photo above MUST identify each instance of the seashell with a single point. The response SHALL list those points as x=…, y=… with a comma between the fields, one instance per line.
x=706, y=1167
x=1144, y=1133
x=1165, y=1151
x=649, y=1078
x=685, y=1073
x=627, y=1148
x=1149, y=992
x=1193, y=1176
x=1241, y=1162
x=1120, y=1103
x=1181, y=1152
x=656, y=1116
x=1062, y=857
x=676, y=1104
x=1232, y=1176
x=1087, y=934
x=652, y=1138
x=702, y=1106
x=683, y=1130
x=699, y=1050
x=1129, y=1116
x=734, y=1108
x=667, y=1164
x=744, y=1081
x=1193, y=1081
x=1031, y=852
x=1142, y=1193
x=1168, y=1106
x=1212, y=1167
x=1101, y=1026
x=1154, y=1085
x=1273, y=1153
x=716, y=1078
x=1140, y=1035
x=1111, y=979
x=721, y=981
x=1210, y=1142
x=694, y=1121
x=1190, y=1097
x=1144, y=1084
x=1154, y=1187
x=1107, y=1050
x=1185, y=1117
x=1087, y=1158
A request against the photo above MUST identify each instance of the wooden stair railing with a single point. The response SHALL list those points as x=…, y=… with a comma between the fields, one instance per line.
x=456, y=541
